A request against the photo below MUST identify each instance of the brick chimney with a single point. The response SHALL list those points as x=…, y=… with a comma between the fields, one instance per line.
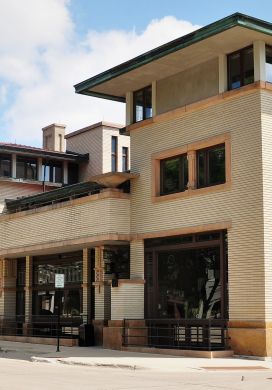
x=53, y=137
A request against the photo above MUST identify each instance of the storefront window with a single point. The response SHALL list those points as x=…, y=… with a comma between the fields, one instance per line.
x=189, y=284
x=187, y=280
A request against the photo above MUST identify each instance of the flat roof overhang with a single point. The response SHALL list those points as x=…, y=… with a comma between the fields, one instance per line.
x=47, y=154
x=222, y=37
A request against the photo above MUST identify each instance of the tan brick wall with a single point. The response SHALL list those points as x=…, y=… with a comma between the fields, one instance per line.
x=242, y=204
x=76, y=220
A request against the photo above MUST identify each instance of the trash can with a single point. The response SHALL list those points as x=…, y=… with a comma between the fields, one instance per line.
x=86, y=335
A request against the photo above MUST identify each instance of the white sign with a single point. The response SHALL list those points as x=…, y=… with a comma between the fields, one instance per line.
x=59, y=280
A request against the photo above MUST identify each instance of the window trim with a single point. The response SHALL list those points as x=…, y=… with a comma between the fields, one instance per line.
x=241, y=67
x=144, y=103
x=191, y=151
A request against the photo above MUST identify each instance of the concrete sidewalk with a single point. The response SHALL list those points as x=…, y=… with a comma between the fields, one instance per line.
x=98, y=357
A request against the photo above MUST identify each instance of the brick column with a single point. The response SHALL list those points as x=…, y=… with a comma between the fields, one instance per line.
x=102, y=289
x=86, y=286
x=28, y=289
x=8, y=298
x=192, y=182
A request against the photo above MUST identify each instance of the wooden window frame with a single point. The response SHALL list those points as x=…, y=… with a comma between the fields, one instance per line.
x=191, y=151
x=241, y=52
x=144, y=103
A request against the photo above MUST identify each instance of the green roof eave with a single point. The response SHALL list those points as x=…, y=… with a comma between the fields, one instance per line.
x=210, y=30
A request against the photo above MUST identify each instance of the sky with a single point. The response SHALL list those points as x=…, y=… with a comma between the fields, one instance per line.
x=47, y=46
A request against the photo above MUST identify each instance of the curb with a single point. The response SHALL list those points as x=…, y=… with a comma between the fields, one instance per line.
x=35, y=359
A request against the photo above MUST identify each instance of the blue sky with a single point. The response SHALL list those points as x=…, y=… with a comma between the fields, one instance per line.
x=125, y=14
x=43, y=53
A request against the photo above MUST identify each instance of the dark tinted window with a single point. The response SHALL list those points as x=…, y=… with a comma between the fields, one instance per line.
x=113, y=154
x=174, y=174
x=240, y=68
x=5, y=165
x=72, y=173
x=124, y=159
x=26, y=168
x=269, y=64
x=211, y=166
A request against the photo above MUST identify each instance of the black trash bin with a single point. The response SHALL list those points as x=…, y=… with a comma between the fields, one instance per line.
x=86, y=335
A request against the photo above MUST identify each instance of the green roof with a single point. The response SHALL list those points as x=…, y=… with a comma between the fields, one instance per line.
x=210, y=30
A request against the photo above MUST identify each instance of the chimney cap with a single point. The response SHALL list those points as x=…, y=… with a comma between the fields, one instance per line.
x=54, y=125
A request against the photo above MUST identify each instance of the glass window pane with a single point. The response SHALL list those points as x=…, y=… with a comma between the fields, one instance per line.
x=113, y=144
x=113, y=163
x=148, y=102
x=124, y=159
x=58, y=173
x=139, y=105
x=217, y=165
x=234, y=71
x=5, y=165
x=26, y=168
x=189, y=284
x=248, y=66
x=72, y=173
x=170, y=175
x=269, y=64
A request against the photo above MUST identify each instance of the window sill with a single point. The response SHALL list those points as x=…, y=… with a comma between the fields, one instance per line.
x=192, y=192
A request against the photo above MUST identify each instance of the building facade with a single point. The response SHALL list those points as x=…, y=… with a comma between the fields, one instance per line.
x=179, y=249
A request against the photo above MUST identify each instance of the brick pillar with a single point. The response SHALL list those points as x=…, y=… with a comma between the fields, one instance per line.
x=28, y=289
x=102, y=288
x=8, y=298
x=86, y=286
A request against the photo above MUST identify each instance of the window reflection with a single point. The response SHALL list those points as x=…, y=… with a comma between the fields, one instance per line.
x=189, y=284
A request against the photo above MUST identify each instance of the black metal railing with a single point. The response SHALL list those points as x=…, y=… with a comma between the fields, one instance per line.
x=42, y=326
x=192, y=334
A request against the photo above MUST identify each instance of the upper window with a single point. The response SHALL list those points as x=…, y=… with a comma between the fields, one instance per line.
x=174, y=174
x=142, y=104
x=73, y=173
x=26, y=168
x=268, y=52
x=211, y=166
x=5, y=165
x=114, y=146
x=240, y=68
x=52, y=171
x=124, y=158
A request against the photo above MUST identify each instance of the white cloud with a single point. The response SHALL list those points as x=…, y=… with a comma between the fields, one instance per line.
x=42, y=58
